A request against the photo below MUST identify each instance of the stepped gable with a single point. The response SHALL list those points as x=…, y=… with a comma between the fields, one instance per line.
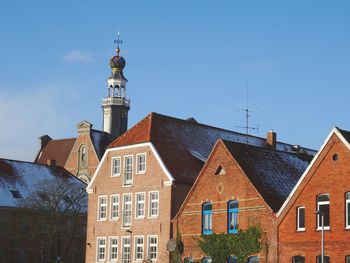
x=273, y=173
x=185, y=145
x=57, y=150
x=19, y=179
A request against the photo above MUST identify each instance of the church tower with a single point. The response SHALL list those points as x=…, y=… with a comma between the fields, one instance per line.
x=116, y=106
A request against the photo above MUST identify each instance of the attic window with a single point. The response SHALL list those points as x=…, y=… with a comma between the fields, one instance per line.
x=220, y=170
x=16, y=194
x=335, y=157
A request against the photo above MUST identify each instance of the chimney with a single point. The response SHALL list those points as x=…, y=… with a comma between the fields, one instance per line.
x=51, y=163
x=43, y=140
x=271, y=139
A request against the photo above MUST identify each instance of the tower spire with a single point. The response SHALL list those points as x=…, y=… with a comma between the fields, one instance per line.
x=116, y=105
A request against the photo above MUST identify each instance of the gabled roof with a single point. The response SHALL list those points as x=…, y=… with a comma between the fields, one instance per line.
x=343, y=135
x=185, y=145
x=60, y=149
x=57, y=150
x=273, y=173
x=18, y=178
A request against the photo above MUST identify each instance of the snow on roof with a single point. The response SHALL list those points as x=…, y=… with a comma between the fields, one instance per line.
x=181, y=143
x=273, y=173
x=24, y=177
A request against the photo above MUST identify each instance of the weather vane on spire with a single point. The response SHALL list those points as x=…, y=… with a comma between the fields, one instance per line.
x=118, y=42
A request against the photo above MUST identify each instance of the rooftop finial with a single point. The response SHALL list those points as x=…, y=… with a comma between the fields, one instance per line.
x=118, y=42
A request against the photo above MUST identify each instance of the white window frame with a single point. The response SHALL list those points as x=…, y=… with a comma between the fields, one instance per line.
x=138, y=171
x=123, y=246
x=347, y=201
x=150, y=201
x=112, y=205
x=123, y=211
x=112, y=166
x=137, y=245
x=128, y=182
x=110, y=249
x=149, y=247
x=98, y=259
x=298, y=217
x=319, y=203
x=99, y=206
x=137, y=215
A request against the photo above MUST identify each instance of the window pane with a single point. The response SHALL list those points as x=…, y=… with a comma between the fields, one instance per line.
x=322, y=198
x=326, y=259
x=301, y=217
x=126, y=250
x=207, y=218
x=128, y=170
x=298, y=259
x=347, y=259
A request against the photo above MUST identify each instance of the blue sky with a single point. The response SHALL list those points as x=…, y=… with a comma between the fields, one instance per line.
x=184, y=59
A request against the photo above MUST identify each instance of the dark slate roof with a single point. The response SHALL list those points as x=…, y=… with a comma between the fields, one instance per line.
x=185, y=145
x=273, y=173
x=100, y=140
x=57, y=150
x=24, y=177
x=346, y=134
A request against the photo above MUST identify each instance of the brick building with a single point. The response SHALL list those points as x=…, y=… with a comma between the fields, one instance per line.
x=324, y=187
x=240, y=185
x=81, y=155
x=141, y=182
x=24, y=227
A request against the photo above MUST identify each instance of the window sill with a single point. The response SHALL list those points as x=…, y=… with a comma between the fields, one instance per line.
x=326, y=228
x=153, y=217
x=127, y=185
x=140, y=217
x=125, y=227
x=301, y=230
x=141, y=172
x=115, y=175
x=101, y=220
x=114, y=219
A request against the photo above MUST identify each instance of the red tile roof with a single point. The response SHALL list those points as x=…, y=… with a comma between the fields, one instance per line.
x=58, y=150
x=185, y=145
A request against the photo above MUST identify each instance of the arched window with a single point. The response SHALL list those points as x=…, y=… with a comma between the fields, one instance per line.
x=326, y=259
x=232, y=259
x=298, y=259
x=207, y=219
x=206, y=260
x=253, y=259
x=323, y=208
x=347, y=210
x=232, y=216
x=83, y=158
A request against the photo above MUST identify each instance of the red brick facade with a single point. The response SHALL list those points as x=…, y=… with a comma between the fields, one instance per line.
x=154, y=179
x=328, y=174
x=231, y=184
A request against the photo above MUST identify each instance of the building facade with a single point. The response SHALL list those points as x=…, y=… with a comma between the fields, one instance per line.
x=28, y=233
x=239, y=186
x=323, y=189
x=141, y=182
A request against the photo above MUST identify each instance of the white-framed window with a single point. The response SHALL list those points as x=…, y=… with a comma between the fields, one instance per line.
x=113, y=249
x=126, y=258
x=139, y=244
x=323, y=208
x=347, y=210
x=116, y=166
x=301, y=218
x=140, y=205
x=114, y=207
x=152, y=247
x=101, y=249
x=127, y=170
x=127, y=209
x=141, y=163
x=153, y=204
x=102, y=208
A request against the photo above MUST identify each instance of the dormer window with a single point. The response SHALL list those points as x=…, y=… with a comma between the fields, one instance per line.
x=16, y=194
x=83, y=158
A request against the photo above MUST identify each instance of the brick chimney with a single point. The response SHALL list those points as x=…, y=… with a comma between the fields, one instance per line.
x=43, y=140
x=51, y=163
x=271, y=139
